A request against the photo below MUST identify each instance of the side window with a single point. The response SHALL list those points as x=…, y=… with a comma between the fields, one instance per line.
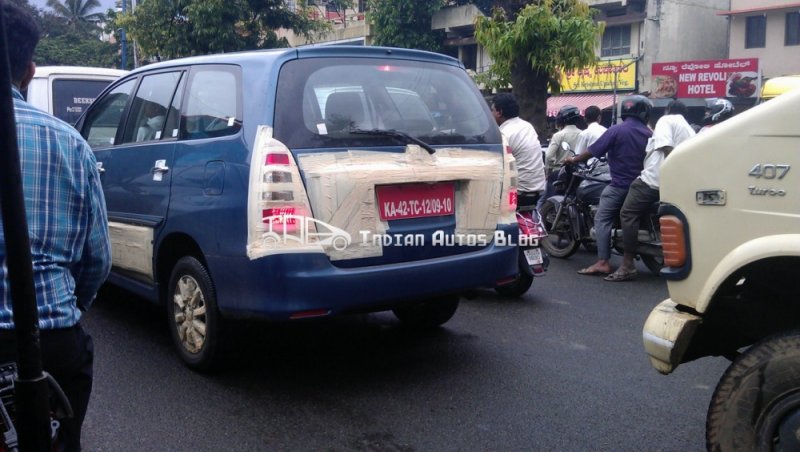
x=102, y=123
x=150, y=107
x=212, y=107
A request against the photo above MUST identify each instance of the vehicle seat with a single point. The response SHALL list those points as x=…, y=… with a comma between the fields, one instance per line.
x=344, y=111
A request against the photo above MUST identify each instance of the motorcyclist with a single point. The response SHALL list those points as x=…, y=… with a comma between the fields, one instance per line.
x=717, y=110
x=624, y=146
x=567, y=119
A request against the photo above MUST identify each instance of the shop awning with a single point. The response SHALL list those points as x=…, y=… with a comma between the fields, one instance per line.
x=605, y=100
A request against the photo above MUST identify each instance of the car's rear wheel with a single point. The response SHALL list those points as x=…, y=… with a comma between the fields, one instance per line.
x=429, y=313
x=194, y=320
x=756, y=405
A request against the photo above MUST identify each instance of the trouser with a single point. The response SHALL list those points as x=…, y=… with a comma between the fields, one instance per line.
x=607, y=211
x=67, y=355
x=549, y=189
x=637, y=204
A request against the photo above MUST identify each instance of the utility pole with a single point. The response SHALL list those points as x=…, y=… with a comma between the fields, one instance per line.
x=123, y=40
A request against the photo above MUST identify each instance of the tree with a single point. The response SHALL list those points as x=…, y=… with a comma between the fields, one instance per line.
x=166, y=29
x=405, y=23
x=532, y=44
x=340, y=7
x=76, y=11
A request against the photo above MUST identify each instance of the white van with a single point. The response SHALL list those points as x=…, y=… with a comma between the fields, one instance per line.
x=66, y=91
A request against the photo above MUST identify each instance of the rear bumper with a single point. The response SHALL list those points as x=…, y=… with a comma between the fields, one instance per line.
x=279, y=286
x=667, y=334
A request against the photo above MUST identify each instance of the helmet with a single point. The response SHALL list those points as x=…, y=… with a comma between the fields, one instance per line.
x=718, y=110
x=568, y=114
x=636, y=106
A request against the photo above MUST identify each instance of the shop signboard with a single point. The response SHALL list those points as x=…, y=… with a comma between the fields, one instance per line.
x=707, y=78
x=601, y=77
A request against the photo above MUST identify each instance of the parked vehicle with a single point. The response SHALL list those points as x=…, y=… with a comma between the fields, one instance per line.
x=533, y=260
x=778, y=85
x=731, y=240
x=66, y=91
x=392, y=148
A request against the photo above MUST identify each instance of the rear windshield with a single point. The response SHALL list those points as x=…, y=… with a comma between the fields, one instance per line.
x=72, y=97
x=321, y=101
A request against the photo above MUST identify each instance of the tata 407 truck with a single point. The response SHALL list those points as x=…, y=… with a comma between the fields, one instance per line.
x=731, y=236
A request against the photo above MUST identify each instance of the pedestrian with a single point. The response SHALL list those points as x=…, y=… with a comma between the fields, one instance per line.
x=68, y=228
x=593, y=131
x=624, y=147
x=525, y=147
x=671, y=130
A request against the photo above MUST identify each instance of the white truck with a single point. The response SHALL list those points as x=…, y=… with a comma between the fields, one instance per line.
x=730, y=223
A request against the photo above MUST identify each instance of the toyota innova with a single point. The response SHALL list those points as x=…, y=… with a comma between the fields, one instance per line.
x=291, y=184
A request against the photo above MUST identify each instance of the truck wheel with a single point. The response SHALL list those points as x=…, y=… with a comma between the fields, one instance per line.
x=560, y=241
x=429, y=313
x=756, y=405
x=194, y=320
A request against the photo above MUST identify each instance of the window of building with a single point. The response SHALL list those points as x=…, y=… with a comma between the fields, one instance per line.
x=792, y=29
x=755, y=32
x=616, y=41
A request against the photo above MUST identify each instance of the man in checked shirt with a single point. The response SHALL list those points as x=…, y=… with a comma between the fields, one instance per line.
x=68, y=230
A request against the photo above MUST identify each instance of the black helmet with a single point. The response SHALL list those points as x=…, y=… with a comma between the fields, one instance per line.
x=636, y=106
x=717, y=110
x=568, y=114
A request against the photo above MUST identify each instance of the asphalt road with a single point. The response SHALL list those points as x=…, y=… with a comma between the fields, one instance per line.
x=562, y=368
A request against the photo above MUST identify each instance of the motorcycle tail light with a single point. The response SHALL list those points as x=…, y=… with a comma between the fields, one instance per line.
x=673, y=241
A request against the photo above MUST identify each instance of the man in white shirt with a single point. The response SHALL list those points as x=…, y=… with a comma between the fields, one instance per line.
x=524, y=142
x=587, y=137
x=671, y=130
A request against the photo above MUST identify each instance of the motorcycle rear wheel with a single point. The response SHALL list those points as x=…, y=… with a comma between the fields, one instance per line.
x=653, y=263
x=560, y=241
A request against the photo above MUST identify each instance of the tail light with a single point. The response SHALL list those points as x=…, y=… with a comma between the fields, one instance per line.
x=277, y=202
x=673, y=241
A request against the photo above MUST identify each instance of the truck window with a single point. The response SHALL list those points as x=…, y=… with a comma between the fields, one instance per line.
x=72, y=96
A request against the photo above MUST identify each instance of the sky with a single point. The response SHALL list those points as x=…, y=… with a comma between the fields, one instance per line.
x=104, y=5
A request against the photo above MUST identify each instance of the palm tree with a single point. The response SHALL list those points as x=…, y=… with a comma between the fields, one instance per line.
x=76, y=11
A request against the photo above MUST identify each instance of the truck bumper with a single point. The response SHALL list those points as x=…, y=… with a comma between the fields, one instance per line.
x=667, y=334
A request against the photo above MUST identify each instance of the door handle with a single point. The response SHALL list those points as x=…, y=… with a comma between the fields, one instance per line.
x=161, y=167
x=100, y=168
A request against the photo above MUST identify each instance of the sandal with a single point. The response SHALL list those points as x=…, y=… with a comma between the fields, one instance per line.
x=622, y=275
x=592, y=271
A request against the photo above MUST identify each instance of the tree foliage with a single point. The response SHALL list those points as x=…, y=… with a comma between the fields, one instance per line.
x=71, y=35
x=531, y=43
x=166, y=29
x=405, y=23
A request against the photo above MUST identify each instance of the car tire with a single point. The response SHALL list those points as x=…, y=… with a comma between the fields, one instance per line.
x=429, y=313
x=756, y=405
x=194, y=321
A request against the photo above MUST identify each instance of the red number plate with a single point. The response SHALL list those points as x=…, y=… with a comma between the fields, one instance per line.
x=415, y=200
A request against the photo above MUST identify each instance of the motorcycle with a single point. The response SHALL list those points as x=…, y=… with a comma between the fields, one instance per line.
x=533, y=260
x=569, y=215
x=569, y=218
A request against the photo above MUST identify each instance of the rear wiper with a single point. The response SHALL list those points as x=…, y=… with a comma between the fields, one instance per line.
x=395, y=134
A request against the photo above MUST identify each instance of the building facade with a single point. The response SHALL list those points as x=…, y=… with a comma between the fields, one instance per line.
x=768, y=30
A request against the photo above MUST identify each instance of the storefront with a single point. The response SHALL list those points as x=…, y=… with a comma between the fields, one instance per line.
x=600, y=85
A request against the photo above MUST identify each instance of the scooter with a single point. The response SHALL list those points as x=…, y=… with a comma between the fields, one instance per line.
x=533, y=260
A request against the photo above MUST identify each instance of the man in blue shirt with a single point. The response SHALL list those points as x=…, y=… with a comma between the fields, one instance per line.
x=68, y=230
x=623, y=145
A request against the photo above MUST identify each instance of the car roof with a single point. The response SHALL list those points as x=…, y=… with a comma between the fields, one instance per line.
x=46, y=71
x=271, y=55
